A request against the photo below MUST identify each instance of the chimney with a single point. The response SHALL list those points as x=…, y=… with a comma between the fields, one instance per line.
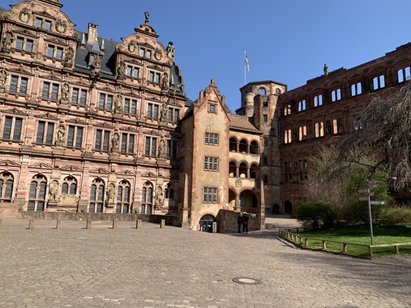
x=92, y=33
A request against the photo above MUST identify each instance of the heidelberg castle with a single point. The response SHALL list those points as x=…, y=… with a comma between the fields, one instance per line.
x=88, y=124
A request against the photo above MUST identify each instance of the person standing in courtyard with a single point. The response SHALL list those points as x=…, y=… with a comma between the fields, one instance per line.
x=239, y=222
x=245, y=223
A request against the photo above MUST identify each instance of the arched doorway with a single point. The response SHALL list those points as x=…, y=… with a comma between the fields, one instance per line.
x=231, y=198
x=248, y=201
x=288, y=207
x=206, y=223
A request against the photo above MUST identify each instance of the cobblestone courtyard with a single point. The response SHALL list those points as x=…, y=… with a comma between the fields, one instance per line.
x=171, y=267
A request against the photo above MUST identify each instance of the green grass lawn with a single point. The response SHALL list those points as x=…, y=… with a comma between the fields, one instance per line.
x=361, y=235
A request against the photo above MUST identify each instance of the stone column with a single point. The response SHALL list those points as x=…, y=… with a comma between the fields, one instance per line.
x=248, y=172
x=237, y=171
x=185, y=223
x=261, y=212
x=248, y=149
x=237, y=203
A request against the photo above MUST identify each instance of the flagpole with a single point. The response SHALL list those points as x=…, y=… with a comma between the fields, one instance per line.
x=245, y=68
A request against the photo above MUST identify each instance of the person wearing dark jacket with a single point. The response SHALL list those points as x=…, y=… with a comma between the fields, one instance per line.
x=239, y=222
x=245, y=223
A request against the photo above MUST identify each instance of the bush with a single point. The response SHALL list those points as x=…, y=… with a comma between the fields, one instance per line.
x=396, y=215
x=314, y=215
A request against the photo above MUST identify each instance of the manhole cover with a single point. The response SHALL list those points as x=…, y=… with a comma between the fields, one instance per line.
x=244, y=280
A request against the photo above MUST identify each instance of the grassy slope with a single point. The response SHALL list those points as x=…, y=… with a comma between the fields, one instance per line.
x=361, y=235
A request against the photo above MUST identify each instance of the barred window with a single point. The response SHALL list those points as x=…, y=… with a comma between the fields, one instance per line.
x=211, y=139
x=210, y=163
x=210, y=195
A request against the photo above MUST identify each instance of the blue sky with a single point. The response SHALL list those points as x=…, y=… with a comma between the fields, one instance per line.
x=286, y=41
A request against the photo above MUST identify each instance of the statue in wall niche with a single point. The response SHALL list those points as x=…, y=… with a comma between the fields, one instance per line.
x=54, y=192
x=328, y=128
x=114, y=141
x=165, y=82
x=65, y=93
x=8, y=39
x=68, y=61
x=60, y=133
x=121, y=71
x=163, y=117
x=3, y=78
x=118, y=104
x=161, y=148
x=159, y=198
x=110, y=195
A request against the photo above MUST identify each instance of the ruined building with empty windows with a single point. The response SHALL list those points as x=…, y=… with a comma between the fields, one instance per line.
x=91, y=125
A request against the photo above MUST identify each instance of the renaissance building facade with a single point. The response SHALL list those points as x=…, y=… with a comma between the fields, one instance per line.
x=88, y=124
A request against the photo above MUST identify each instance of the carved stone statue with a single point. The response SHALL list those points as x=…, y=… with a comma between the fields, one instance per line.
x=121, y=75
x=118, y=104
x=3, y=78
x=110, y=195
x=163, y=117
x=170, y=50
x=159, y=198
x=161, y=148
x=53, y=193
x=60, y=134
x=165, y=83
x=97, y=61
x=7, y=41
x=65, y=94
x=147, y=15
x=68, y=61
x=325, y=70
x=328, y=128
x=114, y=142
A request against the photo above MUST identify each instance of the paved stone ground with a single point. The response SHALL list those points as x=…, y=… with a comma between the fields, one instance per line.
x=171, y=267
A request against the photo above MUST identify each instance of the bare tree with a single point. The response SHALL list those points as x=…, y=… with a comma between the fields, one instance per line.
x=382, y=130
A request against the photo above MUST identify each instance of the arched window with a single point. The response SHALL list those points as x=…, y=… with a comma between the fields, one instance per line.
x=253, y=171
x=232, y=170
x=243, y=146
x=37, y=193
x=233, y=145
x=243, y=170
x=69, y=186
x=123, y=197
x=6, y=187
x=277, y=91
x=147, y=198
x=169, y=192
x=96, y=196
x=262, y=91
x=254, y=147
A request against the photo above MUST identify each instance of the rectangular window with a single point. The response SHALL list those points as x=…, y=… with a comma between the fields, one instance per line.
x=142, y=52
x=92, y=58
x=151, y=77
x=74, y=96
x=170, y=114
x=98, y=139
x=379, y=82
x=210, y=195
x=46, y=90
x=403, y=74
x=287, y=136
x=133, y=106
x=265, y=104
x=212, y=108
x=23, y=86
x=127, y=105
x=109, y=105
x=153, y=146
x=50, y=133
x=8, y=126
x=130, y=144
x=70, y=136
x=265, y=161
x=211, y=138
x=19, y=43
x=40, y=131
x=129, y=69
x=356, y=89
x=55, y=92
x=136, y=72
x=318, y=100
x=175, y=148
x=18, y=125
x=13, y=84
x=106, y=140
x=302, y=133
x=157, y=78
x=75, y=137
x=79, y=137
x=29, y=45
x=336, y=95
x=147, y=148
x=123, y=143
x=149, y=110
x=337, y=126
x=59, y=53
x=47, y=25
x=265, y=141
x=102, y=101
x=39, y=22
x=155, y=112
x=211, y=163
x=50, y=51
x=319, y=129
x=287, y=110
x=102, y=140
x=83, y=97
x=301, y=105
x=265, y=118
x=176, y=112
x=148, y=54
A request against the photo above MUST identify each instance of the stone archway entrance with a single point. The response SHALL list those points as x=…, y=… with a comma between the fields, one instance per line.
x=288, y=207
x=276, y=209
x=206, y=223
x=248, y=201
